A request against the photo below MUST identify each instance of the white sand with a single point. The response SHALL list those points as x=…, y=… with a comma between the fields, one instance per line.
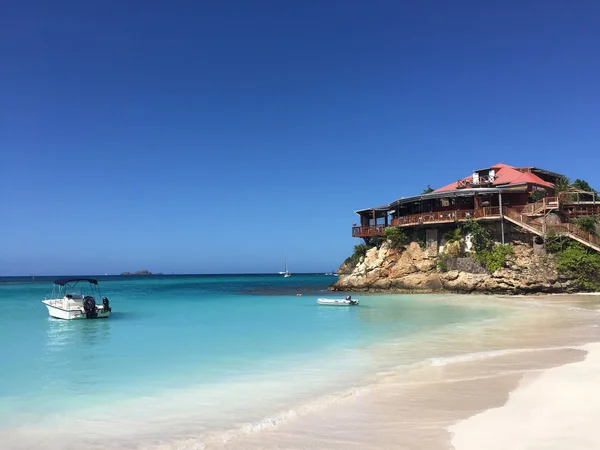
x=558, y=409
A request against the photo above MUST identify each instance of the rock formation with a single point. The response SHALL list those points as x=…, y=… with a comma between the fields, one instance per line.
x=414, y=270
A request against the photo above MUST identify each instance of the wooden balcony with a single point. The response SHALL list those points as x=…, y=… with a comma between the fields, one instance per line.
x=441, y=217
x=447, y=216
x=372, y=230
x=483, y=181
x=579, y=209
x=526, y=216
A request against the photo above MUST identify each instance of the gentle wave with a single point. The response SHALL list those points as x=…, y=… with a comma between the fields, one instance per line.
x=477, y=356
x=284, y=417
x=266, y=423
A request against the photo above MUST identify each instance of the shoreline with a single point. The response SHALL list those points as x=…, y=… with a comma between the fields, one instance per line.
x=423, y=415
x=512, y=293
x=420, y=386
x=424, y=407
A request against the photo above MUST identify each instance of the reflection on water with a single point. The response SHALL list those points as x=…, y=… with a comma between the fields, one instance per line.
x=64, y=334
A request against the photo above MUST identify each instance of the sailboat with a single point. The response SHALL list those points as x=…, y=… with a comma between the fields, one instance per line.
x=286, y=274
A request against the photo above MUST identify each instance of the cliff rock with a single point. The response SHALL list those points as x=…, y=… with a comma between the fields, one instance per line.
x=413, y=270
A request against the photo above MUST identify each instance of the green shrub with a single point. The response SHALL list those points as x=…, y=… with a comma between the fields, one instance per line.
x=495, y=258
x=420, y=238
x=396, y=237
x=580, y=264
x=556, y=243
x=536, y=196
x=480, y=237
x=587, y=223
x=375, y=241
x=442, y=263
x=360, y=250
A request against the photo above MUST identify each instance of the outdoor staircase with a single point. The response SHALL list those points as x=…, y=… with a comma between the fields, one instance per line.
x=562, y=229
x=541, y=206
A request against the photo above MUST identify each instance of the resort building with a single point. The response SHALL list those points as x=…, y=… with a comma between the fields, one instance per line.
x=513, y=201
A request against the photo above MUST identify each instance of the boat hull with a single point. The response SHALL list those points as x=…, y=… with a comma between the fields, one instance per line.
x=336, y=302
x=72, y=313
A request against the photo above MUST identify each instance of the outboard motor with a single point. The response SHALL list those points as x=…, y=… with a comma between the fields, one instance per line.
x=89, y=306
x=106, y=304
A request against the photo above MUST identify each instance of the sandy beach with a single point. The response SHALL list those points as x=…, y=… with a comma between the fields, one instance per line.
x=556, y=409
x=530, y=387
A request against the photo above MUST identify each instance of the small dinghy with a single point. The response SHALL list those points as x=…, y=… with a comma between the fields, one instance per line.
x=348, y=301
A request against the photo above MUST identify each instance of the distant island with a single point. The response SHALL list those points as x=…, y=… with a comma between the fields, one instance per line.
x=141, y=272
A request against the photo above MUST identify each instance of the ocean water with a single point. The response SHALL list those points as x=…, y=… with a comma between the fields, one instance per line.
x=204, y=358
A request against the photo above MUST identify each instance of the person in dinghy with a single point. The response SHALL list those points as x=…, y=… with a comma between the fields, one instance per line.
x=349, y=298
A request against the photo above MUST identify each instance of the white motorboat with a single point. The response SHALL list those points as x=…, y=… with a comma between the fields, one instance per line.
x=75, y=298
x=348, y=301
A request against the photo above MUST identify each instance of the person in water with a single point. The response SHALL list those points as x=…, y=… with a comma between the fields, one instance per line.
x=349, y=297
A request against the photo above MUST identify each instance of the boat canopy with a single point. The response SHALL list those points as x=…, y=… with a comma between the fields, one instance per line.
x=63, y=281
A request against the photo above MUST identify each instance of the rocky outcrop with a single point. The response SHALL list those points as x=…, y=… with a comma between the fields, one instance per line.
x=414, y=270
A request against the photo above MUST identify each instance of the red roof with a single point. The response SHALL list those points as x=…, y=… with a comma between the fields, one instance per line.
x=505, y=175
x=528, y=177
x=452, y=186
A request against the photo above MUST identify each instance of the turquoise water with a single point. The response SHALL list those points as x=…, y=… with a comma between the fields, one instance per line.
x=199, y=352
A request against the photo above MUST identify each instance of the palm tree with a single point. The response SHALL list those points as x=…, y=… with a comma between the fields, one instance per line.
x=453, y=235
x=562, y=187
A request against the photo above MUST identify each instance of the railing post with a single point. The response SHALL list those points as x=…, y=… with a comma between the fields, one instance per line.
x=544, y=227
x=501, y=216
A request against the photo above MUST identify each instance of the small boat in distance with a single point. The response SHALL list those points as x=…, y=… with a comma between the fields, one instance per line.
x=75, y=298
x=348, y=301
x=286, y=274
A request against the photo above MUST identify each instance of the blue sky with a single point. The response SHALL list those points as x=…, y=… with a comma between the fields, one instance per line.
x=212, y=137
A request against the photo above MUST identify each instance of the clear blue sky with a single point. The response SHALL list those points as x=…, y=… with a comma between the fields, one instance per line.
x=211, y=137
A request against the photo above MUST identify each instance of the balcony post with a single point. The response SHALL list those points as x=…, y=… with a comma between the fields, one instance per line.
x=501, y=215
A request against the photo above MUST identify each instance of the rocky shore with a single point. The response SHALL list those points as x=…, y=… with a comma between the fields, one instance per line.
x=415, y=270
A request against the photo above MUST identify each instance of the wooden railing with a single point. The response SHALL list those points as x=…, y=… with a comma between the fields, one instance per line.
x=522, y=218
x=582, y=210
x=562, y=229
x=483, y=180
x=447, y=216
x=433, y=217
x=373, y=230
x=575, y=230
x=541, y=205
x=488, y=211
x=518, y=214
